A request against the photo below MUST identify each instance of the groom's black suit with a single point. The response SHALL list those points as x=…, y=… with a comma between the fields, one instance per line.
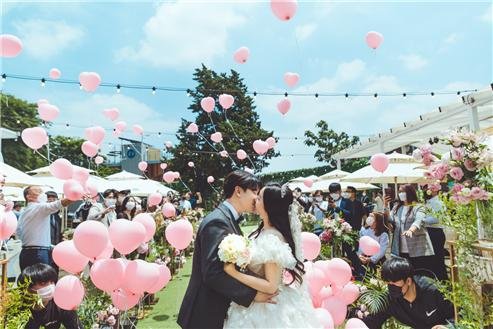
x=210, y=290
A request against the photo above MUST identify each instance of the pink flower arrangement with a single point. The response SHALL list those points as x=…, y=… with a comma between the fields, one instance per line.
x=456, y=173
x=457, y=153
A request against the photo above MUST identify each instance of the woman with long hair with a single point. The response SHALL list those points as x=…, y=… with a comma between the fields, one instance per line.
x=377, y=231
x=276, y=253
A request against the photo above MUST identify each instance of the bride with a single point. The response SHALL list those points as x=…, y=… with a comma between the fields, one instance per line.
x=276, y=249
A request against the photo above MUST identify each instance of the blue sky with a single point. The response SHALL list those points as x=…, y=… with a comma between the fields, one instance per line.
x=427, y=47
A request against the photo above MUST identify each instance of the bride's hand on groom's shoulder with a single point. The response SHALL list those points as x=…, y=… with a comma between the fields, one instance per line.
x=261, y=297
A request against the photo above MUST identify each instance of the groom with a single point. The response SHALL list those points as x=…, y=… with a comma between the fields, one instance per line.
x=210, y=290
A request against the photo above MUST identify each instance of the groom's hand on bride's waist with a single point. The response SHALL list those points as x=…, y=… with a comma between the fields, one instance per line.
x=265, y=298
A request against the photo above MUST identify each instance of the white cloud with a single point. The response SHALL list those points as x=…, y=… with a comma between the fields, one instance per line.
x=303, y=32
x=184, y=34
x=487, y=15
x=45, y=39
x=413, y=62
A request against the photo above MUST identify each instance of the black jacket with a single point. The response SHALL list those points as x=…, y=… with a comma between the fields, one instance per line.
x=52, y=317
x=429, y=308
x=210, y=290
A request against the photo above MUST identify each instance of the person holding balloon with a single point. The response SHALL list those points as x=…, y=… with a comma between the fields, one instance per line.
x=377, y=231
x=42, y=280
x=105, y=213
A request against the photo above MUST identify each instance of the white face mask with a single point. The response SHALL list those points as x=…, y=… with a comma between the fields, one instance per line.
x=402, y=196
x=318, y=198
x=370, y=220
x=110, y=202
x=345, y=195
x=46, y=293
x=42, y=198
x=130, y=205
x=335, y=196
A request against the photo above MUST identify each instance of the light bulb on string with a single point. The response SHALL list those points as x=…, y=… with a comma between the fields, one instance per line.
x=154, y=90
x=80, y=86
x=118, y=87
x=189, y=93
x=4, y=77
x=254, y=95
x=286, y=95
x=346, y=95
x=67, y=126
x=432, y=94
x=404, y=95
x=43, y=82
x=316, y=96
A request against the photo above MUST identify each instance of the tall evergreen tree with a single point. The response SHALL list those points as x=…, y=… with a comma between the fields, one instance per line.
x=241, y=118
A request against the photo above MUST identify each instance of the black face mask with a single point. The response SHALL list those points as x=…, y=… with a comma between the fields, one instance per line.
x=395, y=292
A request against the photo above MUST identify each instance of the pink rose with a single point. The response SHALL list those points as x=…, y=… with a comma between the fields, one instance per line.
x=111, y=320
x=456, y=173
x=457, y=188
x=457, y=153
x=425, y=149
x=460, y=199
x=417, y=155
x=434, y=187
x=469, y=164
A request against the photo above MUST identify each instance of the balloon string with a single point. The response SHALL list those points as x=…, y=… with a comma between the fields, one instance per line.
x=212, y=187
x=36, y=151
x=207, y=141
x=188, y=188
x=233, y=129
x=255, y=168
x=212, y=122
x=229, y=156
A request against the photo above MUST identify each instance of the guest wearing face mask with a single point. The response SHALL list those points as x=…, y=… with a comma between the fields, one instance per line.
x=358, y=211
x=410, y=239
x=318, y=209
x=377, y=231
x=131, y=207
x=412, y=299
x=34, y=227
x=43, y=279
x=105, y=213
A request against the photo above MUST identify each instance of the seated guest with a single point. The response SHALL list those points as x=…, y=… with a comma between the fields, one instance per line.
x=42, y=279
x=378, y=232
x=412, y=299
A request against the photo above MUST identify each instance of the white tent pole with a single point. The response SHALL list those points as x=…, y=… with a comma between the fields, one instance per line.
x=474, y=126
x=339, y=164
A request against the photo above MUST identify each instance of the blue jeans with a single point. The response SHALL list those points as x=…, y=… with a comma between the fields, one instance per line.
x=30, y=257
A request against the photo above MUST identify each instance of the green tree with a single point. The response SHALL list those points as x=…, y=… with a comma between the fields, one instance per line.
x=241, y=116
x=329, y=143
x=17, y=115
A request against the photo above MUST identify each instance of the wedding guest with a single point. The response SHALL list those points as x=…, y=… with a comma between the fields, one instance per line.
x=377, y=231
x=105, y=212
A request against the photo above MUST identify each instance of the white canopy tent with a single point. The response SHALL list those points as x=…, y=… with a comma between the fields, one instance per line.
x=45, y=171
x=475, y=111
x=15, y=177
x=56, y=184
x=124, y=175
x=322, y=183
x=137, y=184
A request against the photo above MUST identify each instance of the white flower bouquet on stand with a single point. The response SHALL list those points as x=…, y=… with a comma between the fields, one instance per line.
x=235, y=249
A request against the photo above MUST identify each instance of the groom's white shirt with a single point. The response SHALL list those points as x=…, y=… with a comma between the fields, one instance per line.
x=236, y=215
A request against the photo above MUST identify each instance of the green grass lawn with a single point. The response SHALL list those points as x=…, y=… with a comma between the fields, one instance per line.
x=165, y=312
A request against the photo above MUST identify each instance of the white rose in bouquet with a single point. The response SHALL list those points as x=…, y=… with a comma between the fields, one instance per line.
x=235, y=249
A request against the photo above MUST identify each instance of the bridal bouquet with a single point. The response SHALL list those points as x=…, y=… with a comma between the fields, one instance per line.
x=235, y=249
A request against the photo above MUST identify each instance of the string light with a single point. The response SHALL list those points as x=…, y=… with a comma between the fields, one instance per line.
x=154, y=90
x=118, y=87
x=43, y=82
x=404, y=95
x=4, y=77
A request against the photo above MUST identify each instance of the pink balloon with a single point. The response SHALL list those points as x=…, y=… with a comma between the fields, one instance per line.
x=154, y=199
x=208, y=104
x=67, y=257
x=217, y=137
x=191, y=164
x=168, y=144
x=240, y=154
x=142, y=165
x=91, y=189
x=241, y=55
x=349, y=293
x=69, y=293
x=107, y=251
x=374, y=39
x=324, y=318
x=193, y=128
x=271, y=141
x=164, y=277
x=284, y=9
x=138, y=130
x=123, y=299
x=325, y=292
x=291, y=79
x=337, y=308
x=179, y=234
x=369, y=246
x=340, y=271
x=98, y=160
x=308, y=182
x=355, y=323
x=126, y=235
x=48, y=112
x=140, y=276
x=324, y=266
x=210, y=179
x=42, y=101
x=311, y=245
x=55, y=73
x=35, y=137
x=226, y=101
x=177, y=174
x=10, y=45
x=81, y=175
x=107, y=274
x=95, y=134
x=149, y=224
x=61, y=169
x=260, y=147
x=169, y=177
x=163, y=165
x=121, y=126
x=315, y=279
x=91, y=238
x=379, y=162
x=89, y=81
x=223, y=154
x=112, y=113
x=73, y=190
x=89, y=148
x=284, y=106
x=168, y=210
x=8, y=224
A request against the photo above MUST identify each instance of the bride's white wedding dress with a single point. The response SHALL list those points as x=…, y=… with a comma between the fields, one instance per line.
x=293, y=309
